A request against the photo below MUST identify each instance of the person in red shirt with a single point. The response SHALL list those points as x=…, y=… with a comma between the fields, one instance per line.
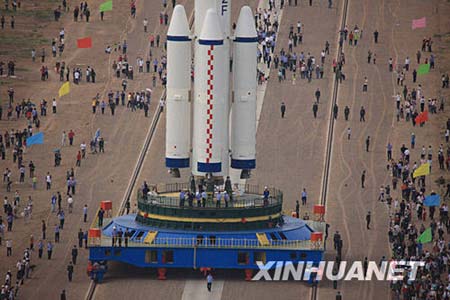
x=71, y=136
x=79, y=159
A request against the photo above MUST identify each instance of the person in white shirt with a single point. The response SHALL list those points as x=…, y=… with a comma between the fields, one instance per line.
x=70, y=203
x=145, y=24
x=54, y=105
x=83, y=149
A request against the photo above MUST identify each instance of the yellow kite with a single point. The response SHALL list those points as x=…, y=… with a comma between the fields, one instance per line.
x=423, y=170
x=64, y=89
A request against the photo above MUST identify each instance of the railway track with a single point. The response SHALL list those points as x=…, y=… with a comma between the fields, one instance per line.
x=330, y=132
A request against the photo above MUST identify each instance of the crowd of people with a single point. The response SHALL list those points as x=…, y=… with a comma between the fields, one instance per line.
x=10, y=288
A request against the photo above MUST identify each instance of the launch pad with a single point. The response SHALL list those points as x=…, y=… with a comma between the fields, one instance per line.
x=167, y=233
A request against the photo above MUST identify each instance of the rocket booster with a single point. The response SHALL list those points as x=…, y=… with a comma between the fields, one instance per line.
x=243, y=124
x=178, y=119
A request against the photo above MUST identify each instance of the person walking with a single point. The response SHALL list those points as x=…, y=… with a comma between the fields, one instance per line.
x=338, y=296
x=367, y=143
x=283, y=109
x=209, y=281
x=317, y=94
x=70, y=271
x=315, y=109
x=349, y=133
x=335, y=111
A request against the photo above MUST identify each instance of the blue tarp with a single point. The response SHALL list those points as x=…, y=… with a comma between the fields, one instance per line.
x=36, y=139
x=432, y=200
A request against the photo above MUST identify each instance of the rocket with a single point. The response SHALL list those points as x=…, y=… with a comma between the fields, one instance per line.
x=218, y=126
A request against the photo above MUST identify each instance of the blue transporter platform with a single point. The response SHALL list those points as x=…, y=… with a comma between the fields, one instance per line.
x=165, y=234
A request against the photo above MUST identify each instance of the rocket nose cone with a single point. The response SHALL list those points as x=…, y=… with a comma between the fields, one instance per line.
x=179, y=25
x=245, y=26
x=211, y=29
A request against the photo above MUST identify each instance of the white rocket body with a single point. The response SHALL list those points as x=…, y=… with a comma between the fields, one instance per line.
x=211, y=97
x=178, y=119
x=243, y=124
x=210, y=132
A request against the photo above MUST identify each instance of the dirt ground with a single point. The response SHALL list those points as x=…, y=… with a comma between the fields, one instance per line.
x=100, y=176
x=290, y=151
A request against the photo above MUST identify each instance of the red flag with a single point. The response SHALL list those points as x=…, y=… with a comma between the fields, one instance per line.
x=84, y=43
x=425, y=116
x=422, y=117
x=419, y=23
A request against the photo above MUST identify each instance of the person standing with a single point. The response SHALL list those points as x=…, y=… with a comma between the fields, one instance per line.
x=349, y=133
x=40, y=248
x=283, y=109
x=346, y=112
x=304, y=196
x=78, y=163
x=49, y=250
x=338, y=296
x=63, y=293
x=80, y=238
x=297, y=209
x=363, y=178
x=74, y=254
x=44, y=228
x=368, y=217
x=9, y=247
x=389, y=151
x=57, y=229
x=85, y=212
x=70, y=271
x=54, y=105
x=145, y=24
x=362, y=114
x=375, y=36
x=209, y=281
x=71, y=136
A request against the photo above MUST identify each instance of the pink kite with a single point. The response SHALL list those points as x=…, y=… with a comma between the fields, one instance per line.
x=419, y=23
